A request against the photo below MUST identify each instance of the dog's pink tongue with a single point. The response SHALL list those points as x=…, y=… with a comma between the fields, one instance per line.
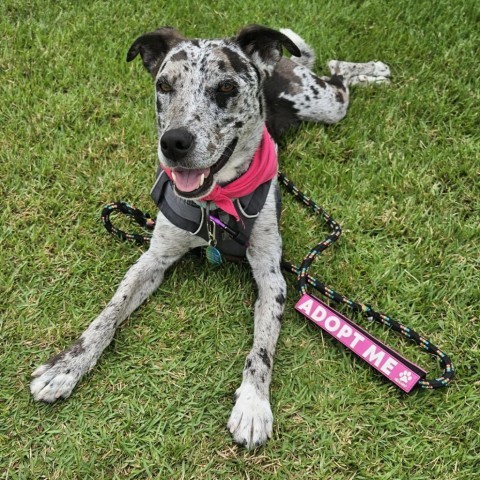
x=188, y=180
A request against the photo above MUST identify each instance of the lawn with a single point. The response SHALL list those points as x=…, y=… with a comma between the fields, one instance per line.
x=400, y=173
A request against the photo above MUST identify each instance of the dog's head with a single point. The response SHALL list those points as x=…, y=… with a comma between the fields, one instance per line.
x=209, y=101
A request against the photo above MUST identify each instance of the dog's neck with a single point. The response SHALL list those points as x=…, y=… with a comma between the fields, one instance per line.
x=242, y=156
x=262, y=169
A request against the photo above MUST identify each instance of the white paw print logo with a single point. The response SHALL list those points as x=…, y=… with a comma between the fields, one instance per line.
x=404, y=377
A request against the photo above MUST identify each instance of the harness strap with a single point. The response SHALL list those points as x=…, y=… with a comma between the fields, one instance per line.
x=192, y=217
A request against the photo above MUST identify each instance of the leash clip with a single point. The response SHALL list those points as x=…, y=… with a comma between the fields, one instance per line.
x=213, y=253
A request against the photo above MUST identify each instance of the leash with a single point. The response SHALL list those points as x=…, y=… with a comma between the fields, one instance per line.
x=387, y=361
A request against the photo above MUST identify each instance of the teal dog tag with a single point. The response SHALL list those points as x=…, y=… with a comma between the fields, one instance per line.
x=214, y=256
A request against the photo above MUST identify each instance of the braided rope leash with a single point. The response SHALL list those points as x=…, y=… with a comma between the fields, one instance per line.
x=142, y=219
x=303, y=278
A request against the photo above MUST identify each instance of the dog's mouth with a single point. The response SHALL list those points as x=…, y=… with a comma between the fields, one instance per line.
x=196, y=182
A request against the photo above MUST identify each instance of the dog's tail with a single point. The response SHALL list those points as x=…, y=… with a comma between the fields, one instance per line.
x=308, y=55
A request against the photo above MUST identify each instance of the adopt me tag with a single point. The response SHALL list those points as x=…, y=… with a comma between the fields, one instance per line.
x=403, y=373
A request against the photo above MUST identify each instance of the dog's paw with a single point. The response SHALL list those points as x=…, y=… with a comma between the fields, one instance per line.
x=381, y=69
x=360, y=73
x=377, y=72
x=53, y=382
x=251, y=421
x=364, y=80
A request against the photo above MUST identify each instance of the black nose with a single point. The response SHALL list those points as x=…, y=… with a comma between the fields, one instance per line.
x=176, y=143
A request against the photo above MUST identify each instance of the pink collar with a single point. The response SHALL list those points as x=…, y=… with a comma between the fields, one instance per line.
x=262, y=169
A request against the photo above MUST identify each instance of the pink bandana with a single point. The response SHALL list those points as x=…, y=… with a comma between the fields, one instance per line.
x=262, y=169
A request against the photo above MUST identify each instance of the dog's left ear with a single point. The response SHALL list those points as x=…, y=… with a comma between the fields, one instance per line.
x=264, y=46
x=153, y=47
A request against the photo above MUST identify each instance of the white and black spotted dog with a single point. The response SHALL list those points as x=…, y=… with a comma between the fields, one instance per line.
x=213, y=98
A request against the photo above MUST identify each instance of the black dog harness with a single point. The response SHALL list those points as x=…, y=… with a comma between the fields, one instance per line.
x=194, y=217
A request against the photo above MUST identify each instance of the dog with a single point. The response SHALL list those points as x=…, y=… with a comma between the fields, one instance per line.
x=218, y=102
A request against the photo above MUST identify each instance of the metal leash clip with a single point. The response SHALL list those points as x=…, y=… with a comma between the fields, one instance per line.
x=213, y=253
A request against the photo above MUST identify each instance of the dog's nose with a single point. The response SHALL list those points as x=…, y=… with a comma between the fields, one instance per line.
x=176, y=143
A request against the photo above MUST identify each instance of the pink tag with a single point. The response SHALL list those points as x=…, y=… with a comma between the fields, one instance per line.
x=387, y=361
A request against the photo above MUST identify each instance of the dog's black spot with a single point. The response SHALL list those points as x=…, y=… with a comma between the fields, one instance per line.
x=321, y=83
x=281, y=115
x=279, y=318
x=195, y=42
x=252, y=371
x=280, y=299
x=264, y=357
x=222, y=66
x=159, y=106
x=238, y=125
x=57, y=358
x=284, y=80
x=221, y=99
x=273, y=270
x=125, y=297
x=180, y=55
x=248, y=363
x=236, y=61
x=337, y=81
x=262, y=379
x=339, y=97
x=314, y=90
x=77, y=348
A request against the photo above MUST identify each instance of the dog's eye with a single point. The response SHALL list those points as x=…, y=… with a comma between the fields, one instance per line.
x=165, y=87
x=226, y=87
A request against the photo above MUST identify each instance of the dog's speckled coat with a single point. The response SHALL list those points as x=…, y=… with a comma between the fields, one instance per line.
x=220, y=93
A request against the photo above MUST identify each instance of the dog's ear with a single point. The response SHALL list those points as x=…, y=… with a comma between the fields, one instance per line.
x=264, y=46
x=153, y=47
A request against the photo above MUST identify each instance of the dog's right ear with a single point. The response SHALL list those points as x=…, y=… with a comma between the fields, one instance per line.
x=153, y=47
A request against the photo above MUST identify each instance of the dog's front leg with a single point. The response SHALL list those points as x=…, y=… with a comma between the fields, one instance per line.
x=58, y=376
x=251, y=420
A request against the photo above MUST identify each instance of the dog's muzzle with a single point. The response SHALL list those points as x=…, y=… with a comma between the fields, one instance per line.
x=197, y=182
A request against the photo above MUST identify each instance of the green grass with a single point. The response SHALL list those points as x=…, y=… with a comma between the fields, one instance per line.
x=401, y=175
